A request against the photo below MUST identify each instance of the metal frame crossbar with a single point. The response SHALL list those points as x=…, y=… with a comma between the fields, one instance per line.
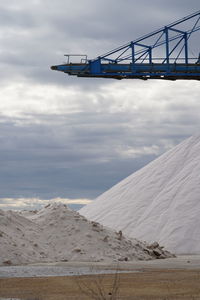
x=161, y=54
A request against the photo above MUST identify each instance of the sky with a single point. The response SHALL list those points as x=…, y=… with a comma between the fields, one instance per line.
x=69, y=139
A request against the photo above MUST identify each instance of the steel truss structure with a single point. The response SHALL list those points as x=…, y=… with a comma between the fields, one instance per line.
x=162, y=54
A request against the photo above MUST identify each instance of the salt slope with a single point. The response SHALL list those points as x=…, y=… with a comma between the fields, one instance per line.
x=56, y=233
x=18, y=237
x=159, y=202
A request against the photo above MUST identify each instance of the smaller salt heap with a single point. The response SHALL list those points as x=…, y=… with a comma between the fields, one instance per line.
x=56, y=233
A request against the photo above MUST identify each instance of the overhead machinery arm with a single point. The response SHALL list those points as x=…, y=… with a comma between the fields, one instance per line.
x=162, y=54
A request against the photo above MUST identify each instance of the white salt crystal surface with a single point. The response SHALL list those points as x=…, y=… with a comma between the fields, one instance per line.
x=159, y=202
x=56, y=233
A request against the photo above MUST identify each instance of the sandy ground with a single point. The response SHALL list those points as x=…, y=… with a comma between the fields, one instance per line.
x=147, y=285
x=177, y=278
x=187, y=262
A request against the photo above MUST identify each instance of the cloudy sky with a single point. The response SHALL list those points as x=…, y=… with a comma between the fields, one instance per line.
x=68, y=138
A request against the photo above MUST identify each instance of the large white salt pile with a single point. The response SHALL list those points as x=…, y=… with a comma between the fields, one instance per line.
x=159, y=202
x=56, y=233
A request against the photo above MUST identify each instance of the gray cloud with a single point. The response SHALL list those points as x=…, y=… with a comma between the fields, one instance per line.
x=37, y=34
x=83, y=154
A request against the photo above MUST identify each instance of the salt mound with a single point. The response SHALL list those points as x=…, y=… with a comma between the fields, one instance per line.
x=159, y=202
x=56, y=233
x=18, y=237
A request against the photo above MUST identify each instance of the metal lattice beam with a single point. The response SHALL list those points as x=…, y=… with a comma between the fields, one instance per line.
x=161, y=54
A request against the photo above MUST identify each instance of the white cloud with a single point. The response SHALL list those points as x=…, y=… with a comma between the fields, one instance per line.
x=35, y=203
x=133, y=152
x=22, y=99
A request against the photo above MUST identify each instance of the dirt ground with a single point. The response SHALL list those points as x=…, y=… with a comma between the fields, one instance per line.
x=146, y=284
